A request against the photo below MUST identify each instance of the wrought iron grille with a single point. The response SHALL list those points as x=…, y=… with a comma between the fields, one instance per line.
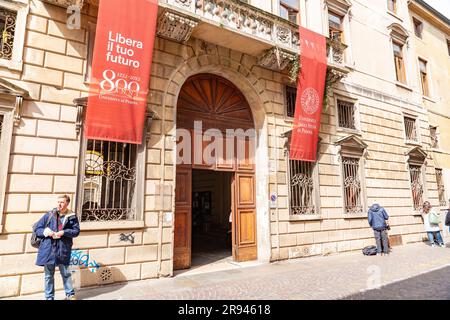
x=302, y=187
x=433, y=137
x=291, y=97
x=8, y=28
x=441, y=188
x=410, y=129
x=352, y=185
x=109, y=181
x=346, y=114
x=415, y=173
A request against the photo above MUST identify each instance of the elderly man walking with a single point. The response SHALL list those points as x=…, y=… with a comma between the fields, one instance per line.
x=57, y=228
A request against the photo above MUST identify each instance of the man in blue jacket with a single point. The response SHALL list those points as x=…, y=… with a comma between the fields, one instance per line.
x=377, y=220
x=57, y=228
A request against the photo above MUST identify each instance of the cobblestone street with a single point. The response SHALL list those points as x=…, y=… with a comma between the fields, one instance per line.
x=419, y=272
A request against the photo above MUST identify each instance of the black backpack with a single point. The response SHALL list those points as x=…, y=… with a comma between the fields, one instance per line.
x=369, y=251
x=447, y=218
x=35, y=240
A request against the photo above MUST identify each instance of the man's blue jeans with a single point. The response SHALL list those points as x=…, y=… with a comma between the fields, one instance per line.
x=50, y=280
x=435, y=237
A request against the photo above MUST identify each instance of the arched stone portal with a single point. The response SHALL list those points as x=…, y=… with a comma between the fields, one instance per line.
x=216, y=120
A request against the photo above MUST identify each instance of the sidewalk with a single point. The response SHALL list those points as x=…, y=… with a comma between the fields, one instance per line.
x=329, y=277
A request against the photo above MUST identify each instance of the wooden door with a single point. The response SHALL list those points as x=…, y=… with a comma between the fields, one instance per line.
x=183, y=219
x=244, y=215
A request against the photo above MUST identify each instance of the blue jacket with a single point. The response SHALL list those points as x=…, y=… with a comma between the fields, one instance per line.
x=377, y=217
x=56, y=251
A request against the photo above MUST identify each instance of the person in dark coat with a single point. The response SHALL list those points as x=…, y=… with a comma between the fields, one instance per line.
x=57, y=228
x=377, y=217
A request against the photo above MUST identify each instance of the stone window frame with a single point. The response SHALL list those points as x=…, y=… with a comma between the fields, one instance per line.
x=355, y=102
x=417, y=128
x=341, y=8
x=399, y=36
x=139, y=221
x=22, y=9
x=352, y=146
x=434, y=145
x=316, y=181
x=416, y=156
x=287, y=117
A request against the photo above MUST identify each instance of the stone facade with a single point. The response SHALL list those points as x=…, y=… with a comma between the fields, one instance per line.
x=45, y=148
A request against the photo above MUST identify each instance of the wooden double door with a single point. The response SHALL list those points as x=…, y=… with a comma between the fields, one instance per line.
x=219, y=105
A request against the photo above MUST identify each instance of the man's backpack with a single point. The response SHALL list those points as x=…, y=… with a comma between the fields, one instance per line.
x=35, y=240
x=447, y=218
x=369, y=251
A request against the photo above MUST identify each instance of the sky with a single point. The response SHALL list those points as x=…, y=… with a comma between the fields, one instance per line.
x=443, y=6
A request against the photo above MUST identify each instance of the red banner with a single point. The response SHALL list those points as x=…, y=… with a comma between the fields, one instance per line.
x=310, y=90
x=121, y=70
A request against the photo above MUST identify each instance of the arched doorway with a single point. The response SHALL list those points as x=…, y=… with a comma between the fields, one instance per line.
x=221, y=143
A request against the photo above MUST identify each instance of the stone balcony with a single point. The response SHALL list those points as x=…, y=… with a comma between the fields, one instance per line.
x=253, y=31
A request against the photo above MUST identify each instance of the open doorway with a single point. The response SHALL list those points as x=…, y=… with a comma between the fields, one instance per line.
x=211, y=216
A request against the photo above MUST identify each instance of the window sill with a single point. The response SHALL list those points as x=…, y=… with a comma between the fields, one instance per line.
x=11, y=64
x=111, y=225
x=348, y=130
x=355, y=216
x=413, y=143
x=428, y=99
x=309, y=217
x=403, y=86
x=394, y=15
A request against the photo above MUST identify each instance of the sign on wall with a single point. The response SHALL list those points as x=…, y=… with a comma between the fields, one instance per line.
x=123, y=54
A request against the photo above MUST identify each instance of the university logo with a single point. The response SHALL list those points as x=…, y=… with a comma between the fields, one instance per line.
x=310, y=100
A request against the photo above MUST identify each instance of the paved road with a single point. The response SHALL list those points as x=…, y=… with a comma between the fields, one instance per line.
x=434, y=285
x=343, y=276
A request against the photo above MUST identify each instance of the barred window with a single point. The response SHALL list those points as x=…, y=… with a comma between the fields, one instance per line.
x=352, y=185
x=441, y=188
x=410, y=129
x=109, y=182
x=415, y=173
x=8, y=28
x=346, y=114
x=301, y=183
x=434, y=137
x=291, y=97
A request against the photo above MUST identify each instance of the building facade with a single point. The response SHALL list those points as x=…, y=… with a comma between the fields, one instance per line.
x=229, y=65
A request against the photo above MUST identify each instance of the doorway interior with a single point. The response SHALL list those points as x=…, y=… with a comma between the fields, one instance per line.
x=211, y=220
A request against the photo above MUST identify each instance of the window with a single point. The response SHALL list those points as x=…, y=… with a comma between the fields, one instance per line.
x=434, y=137
x=7, y=27
x=289, y=10
x=418, y=27
x=392, y=6
x=109, y=182
x=301, y=183
x=399, y=64
x=291, y=97
x=336, y=31
x=441, y=188
x=424, y=77
x=415, y=173
x=346, y=114
x=352, y=185
x=410, y=129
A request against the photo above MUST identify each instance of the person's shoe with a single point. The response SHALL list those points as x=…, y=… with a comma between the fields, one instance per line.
x=433, y=245
x=72, y=297
x=442, y=245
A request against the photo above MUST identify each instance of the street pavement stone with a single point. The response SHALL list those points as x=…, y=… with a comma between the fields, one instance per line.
x=343, y=276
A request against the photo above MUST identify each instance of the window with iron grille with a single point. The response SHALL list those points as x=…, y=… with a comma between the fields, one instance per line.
x=8, y=28
x=301, y=183
x=415, y=173
x=109, y=181
x=346, y=114
x=434, y=137
x=352, y=185
x=410, y=129
x=441, y=188
x=291, y=97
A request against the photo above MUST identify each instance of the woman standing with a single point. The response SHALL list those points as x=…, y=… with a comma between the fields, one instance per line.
x=431, y=224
